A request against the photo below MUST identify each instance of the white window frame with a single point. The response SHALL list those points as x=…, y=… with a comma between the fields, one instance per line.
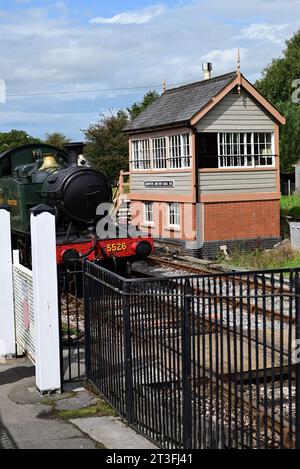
x=171, y=225
x=159, y=152
x=146, y=212
x=144, y=159
x=242, y=158
x=141, y=154
x=179, y=155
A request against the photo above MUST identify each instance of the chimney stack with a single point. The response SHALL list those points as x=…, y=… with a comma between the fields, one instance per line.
x=207, y=68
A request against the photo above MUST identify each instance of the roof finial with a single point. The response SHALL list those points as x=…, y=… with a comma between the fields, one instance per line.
x=238, y=72
x=164, y=86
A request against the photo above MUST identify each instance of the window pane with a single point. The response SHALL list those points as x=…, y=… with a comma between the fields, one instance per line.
x=179, y=152
x=141, y=154
x=245, y=149
x=174, y=214
x=148, y=212
x=159, y=153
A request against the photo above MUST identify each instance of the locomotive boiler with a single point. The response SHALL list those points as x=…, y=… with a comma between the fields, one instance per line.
x=36, y=174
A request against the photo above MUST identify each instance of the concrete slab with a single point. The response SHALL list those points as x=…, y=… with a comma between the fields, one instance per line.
x=113, y=433
x=82, y=400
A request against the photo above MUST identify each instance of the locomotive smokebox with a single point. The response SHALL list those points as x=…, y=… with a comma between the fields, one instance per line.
x=78, y=191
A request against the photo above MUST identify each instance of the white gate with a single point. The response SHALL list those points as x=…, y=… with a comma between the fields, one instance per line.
x=24, y=310
x=29, y=300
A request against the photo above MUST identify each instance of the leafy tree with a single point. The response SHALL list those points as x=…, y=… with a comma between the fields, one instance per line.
x=278, y=84
x=277, y=79
x=15, y=138
x=137, y=108
x=290, y=136
x=57, y=139
x=107, y=145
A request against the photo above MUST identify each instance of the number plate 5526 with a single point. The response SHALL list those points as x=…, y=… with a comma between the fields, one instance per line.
x=116, y=247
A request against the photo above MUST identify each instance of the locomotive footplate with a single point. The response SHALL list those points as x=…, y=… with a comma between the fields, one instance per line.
x=94, y=250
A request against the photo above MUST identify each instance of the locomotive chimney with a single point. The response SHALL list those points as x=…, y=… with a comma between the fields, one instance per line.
x=207, y=69
x=72, y=157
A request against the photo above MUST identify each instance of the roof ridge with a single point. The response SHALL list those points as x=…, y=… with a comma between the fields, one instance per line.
x=200, y=82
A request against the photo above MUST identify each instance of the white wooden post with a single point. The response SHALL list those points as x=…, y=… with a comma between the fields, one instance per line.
x=45, y=297
x=7, y=320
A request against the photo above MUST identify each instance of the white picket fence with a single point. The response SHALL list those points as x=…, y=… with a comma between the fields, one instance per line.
x=23, y=308
x=29, y=322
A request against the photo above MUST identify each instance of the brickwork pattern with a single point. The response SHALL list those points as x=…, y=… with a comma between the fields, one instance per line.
x=239, y=220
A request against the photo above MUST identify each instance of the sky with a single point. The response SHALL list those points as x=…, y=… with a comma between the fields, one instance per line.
x=64, y=63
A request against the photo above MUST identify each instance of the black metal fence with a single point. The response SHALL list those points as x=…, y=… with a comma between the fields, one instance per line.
x=71, y=317
x=198, y=362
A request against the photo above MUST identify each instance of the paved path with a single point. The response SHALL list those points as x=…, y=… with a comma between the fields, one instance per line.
x=23, y=424
x=19, y=425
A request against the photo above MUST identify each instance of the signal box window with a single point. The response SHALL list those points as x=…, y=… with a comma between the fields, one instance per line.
x=148, y=213
x=174, y=215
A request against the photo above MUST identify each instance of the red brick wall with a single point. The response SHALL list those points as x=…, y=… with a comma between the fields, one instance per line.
x=187, y=215
x=238, y=220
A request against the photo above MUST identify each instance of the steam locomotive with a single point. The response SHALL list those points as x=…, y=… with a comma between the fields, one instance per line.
x=36, y=174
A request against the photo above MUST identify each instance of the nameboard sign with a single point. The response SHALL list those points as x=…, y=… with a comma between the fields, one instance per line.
x=158, y=184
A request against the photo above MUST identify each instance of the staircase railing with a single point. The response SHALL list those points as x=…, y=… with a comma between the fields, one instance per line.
x=121, y=189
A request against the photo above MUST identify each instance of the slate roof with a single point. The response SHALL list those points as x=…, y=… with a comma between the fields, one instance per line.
x=179, y=105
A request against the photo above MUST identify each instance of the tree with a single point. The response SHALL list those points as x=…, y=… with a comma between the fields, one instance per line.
x=290, y=136
x=57, y=139
x=107, y=145
x=278, y=78
x=278, y=84
x=137, y=108
x=15, y=138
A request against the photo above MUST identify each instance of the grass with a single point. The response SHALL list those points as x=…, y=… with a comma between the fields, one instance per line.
x=66, y=330
x=100, y=410
x=290, y=205
x=283, y=258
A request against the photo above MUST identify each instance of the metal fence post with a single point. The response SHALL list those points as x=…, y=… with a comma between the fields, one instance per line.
x=7, y=320
x=128, y=355
x=186, y=367
x=297, y=292
x=87, y=320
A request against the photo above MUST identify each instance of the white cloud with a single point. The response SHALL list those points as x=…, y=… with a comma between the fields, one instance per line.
x=46, y=51
x=225, y=59
x=265, y=32
x=134, y=17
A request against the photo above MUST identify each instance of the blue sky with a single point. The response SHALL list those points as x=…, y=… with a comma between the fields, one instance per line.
x=61, y=46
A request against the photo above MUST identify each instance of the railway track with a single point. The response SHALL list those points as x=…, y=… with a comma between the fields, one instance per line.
x=258, y=289
x=234, y=299
x=186, y=266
